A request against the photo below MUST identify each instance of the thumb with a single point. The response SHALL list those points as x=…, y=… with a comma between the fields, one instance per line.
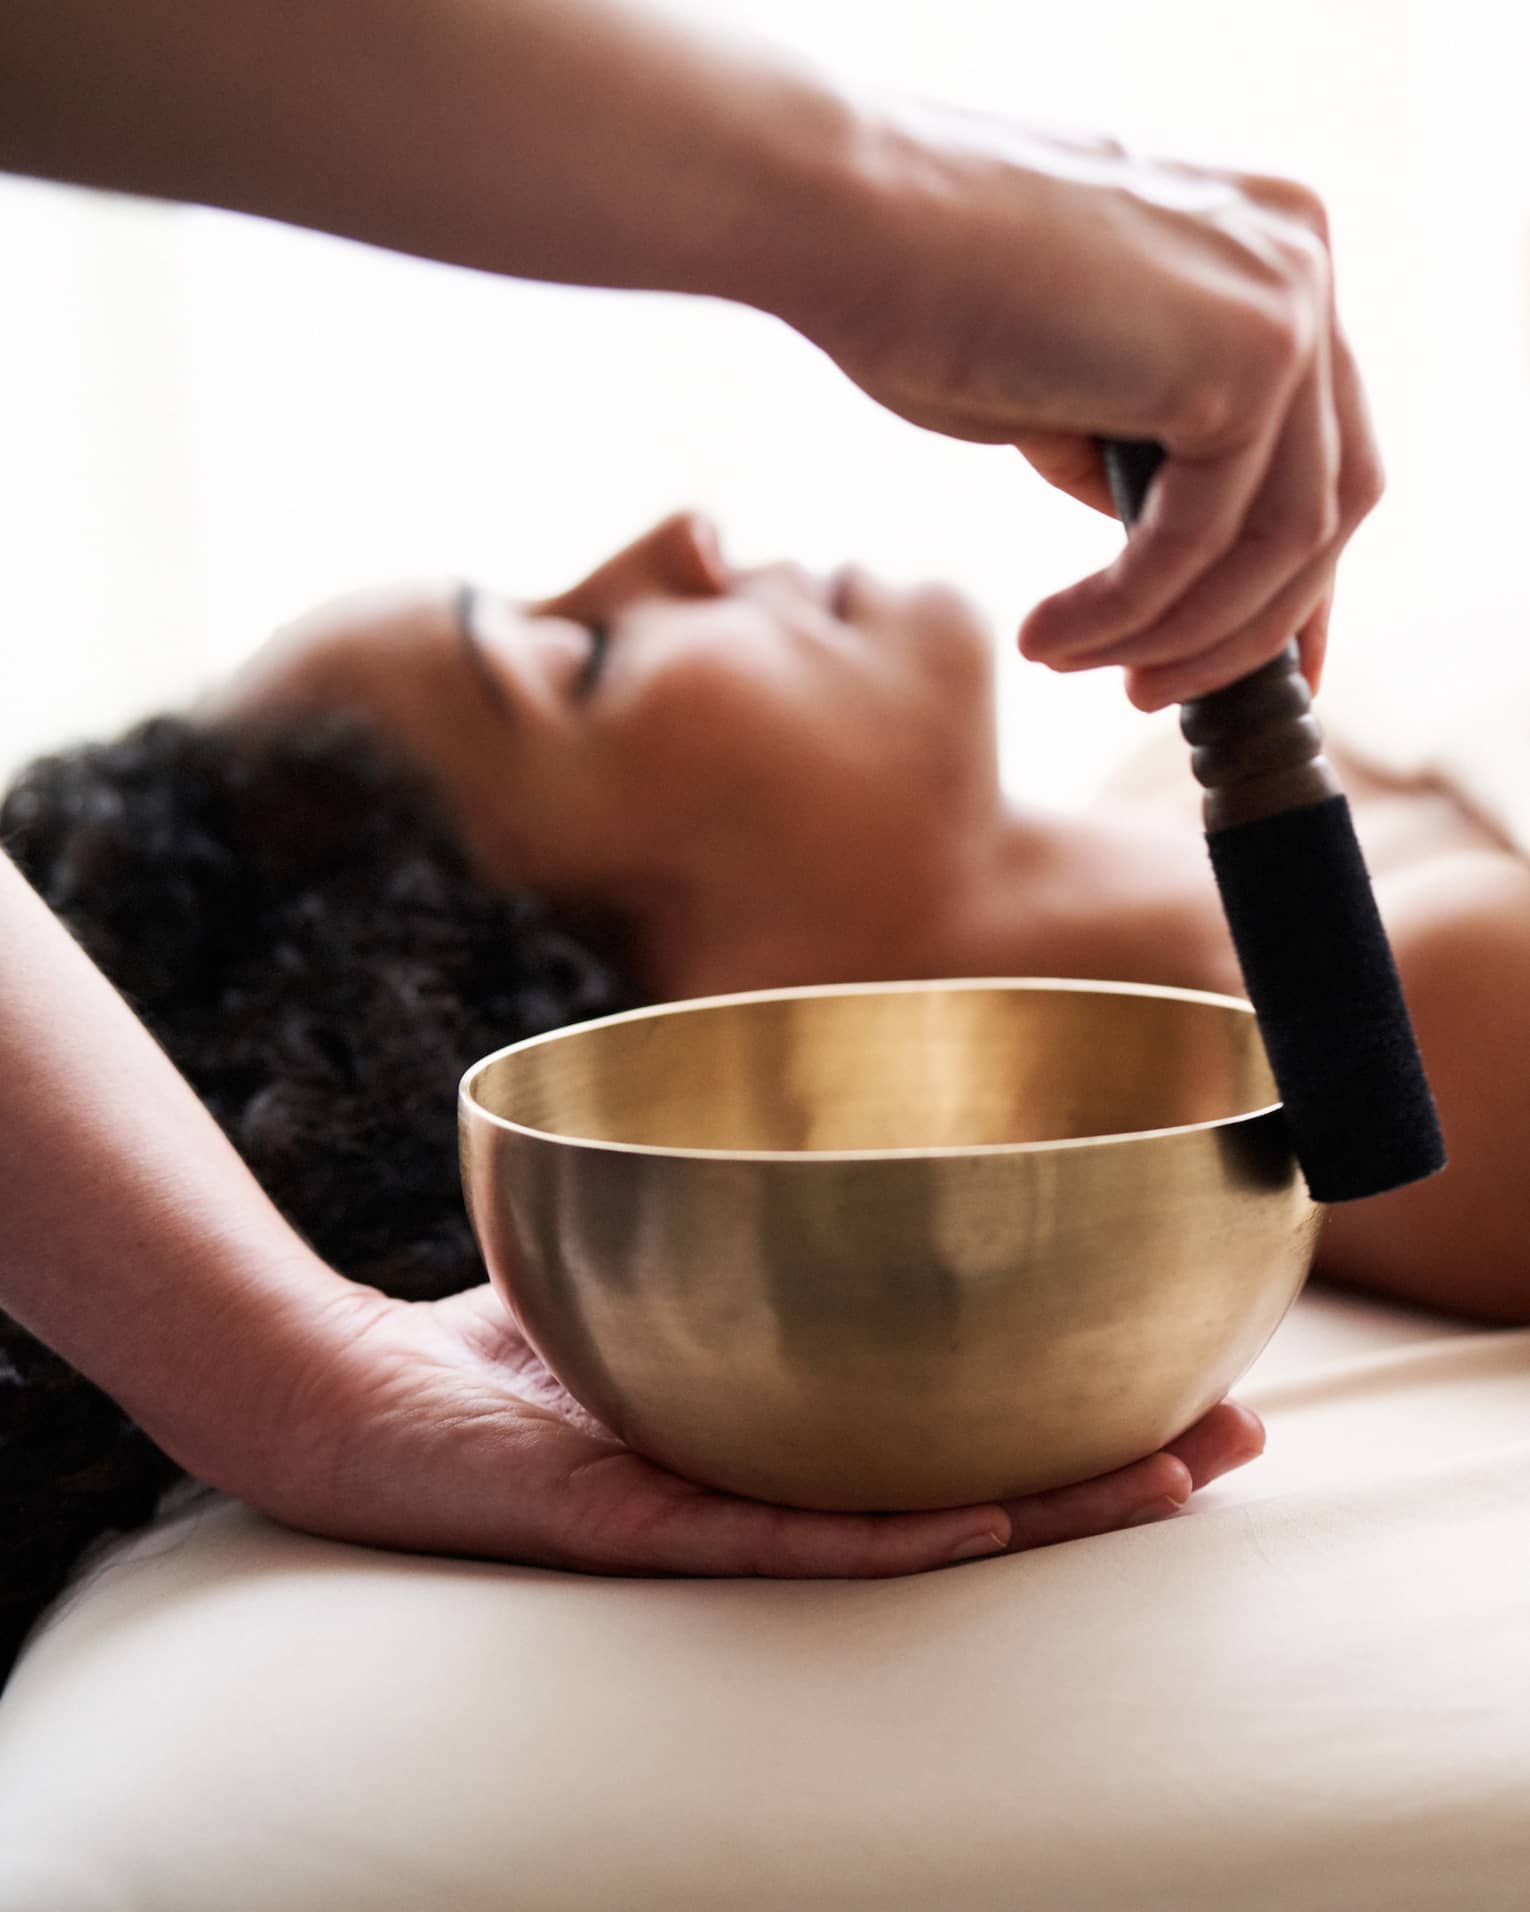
x=1071, y=462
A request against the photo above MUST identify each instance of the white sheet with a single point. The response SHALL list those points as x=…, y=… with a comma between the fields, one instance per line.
x=1310, y=1694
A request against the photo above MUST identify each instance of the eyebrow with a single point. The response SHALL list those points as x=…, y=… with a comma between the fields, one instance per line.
x=467, y=601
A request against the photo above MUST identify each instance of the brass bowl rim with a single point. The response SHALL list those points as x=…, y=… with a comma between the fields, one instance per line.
x=467, y=1097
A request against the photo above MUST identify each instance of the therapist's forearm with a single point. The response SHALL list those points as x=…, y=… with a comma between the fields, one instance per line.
x=132, y=1238
x=587, y=141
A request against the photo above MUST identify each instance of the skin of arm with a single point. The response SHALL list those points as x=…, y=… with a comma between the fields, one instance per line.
x=978, y=277
x=589, y=143
x=132, y=1238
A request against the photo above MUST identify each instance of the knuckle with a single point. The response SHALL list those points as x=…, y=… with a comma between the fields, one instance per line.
x=1303, y=203
x=1277, y=340
x=1294, y=199
x=1307, y=261
x=1209, y=410
x=1287, y=310
x=1365, y=484
x=1308, y=523
x=1228, y=401
x=1318, y=520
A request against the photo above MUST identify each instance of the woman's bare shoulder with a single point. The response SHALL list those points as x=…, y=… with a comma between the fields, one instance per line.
x=1460, y=928
x=1153, y=781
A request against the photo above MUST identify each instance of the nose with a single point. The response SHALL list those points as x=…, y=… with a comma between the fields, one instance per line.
x=679, y=557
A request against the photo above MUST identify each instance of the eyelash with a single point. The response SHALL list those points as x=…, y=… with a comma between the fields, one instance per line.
x=594, y=664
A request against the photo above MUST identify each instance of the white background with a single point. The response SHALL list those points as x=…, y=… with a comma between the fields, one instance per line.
x=209, y=422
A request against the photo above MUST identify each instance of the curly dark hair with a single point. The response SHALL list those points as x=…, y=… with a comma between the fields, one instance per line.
x=292, y=915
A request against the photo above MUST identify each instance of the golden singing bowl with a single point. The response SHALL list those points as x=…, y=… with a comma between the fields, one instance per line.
x=893, y=1245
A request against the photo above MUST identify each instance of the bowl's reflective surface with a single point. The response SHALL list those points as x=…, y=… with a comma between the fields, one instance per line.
x=901, y=1245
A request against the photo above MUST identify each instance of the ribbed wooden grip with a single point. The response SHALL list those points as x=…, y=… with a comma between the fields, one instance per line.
x=1256, y=747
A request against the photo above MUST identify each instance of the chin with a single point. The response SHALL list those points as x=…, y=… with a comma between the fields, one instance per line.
x=952, y=628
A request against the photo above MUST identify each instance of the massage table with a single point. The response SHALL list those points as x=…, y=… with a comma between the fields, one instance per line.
x=1308, y=1693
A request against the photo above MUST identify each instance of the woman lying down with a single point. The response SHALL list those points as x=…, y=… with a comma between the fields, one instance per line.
x=422, y=824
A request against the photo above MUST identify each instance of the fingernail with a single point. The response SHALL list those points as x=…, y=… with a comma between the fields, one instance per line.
x=1160, y=1509
x=974, y=1547
x=1241, y=1458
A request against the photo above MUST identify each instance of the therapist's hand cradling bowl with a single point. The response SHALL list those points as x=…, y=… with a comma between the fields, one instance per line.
x=893, y=1246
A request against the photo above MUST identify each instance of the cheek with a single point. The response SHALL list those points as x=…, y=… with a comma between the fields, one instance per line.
x=715, y=750
x=725, y=759
x=732, y=757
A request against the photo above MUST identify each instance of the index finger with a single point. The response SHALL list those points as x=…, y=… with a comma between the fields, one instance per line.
x=1192, y=517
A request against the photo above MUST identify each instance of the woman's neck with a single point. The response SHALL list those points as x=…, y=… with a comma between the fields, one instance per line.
x=1089, y=896
x=1096, y=896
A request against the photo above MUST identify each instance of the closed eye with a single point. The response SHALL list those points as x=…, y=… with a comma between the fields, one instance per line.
x=594, y=664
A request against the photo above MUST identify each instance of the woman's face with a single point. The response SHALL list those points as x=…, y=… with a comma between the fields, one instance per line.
x=672, y=735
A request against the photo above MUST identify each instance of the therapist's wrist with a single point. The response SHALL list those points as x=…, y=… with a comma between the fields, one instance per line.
x=868, y=203
x=784, y=172
x=220, y=1385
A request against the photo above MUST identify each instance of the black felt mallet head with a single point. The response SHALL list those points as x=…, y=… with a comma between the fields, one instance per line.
x=1315, y=958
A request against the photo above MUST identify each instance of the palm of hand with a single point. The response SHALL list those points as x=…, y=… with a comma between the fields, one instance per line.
x=437, y=1428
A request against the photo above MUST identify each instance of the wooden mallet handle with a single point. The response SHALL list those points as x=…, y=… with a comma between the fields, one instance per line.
x=1314, y=954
